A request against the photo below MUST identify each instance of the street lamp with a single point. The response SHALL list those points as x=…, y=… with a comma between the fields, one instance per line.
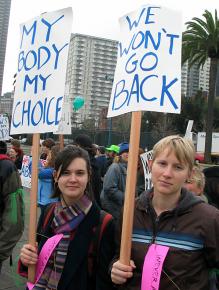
x=109, y=78
x=110, y=132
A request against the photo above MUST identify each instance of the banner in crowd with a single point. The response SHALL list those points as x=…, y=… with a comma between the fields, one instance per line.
x=4, y=127
x=148, y=71
x=145, y=159
x=64, y=126
x=26, y=170
x=42, y=62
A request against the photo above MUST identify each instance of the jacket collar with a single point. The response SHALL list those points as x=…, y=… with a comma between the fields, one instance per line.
x=186, y=202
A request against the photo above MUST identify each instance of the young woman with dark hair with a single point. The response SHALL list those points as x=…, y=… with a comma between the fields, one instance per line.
x=76, y=262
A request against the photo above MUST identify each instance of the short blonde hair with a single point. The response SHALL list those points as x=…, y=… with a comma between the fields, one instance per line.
x=182, y=147
x=198, y=177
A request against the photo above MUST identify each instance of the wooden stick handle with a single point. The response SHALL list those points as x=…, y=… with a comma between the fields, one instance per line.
x=61, y=141
x=33, y=200
x=126, y=239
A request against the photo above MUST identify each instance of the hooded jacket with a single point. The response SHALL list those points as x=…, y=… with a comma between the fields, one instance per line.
x=11, y=207
x=113, y=192
x=191, y=231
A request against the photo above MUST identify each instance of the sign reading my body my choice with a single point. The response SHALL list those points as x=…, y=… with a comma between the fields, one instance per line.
x=42, y=62
x=148, y=71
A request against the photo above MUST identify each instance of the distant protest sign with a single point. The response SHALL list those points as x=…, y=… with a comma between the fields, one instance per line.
x=64, y=126
x=4, y=127
x=145, y=159
x=42, y=61
x=25, y=172
x=148, y=71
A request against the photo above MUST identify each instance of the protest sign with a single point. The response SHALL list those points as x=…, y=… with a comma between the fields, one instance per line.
x=188, y=133
x=25, y=172
x=145, y=159
x=4, y=127
x=147, y=78
x=42, y=62
x=148, y=71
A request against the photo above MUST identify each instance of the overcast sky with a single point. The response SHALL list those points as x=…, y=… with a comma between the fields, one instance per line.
x=91, y=17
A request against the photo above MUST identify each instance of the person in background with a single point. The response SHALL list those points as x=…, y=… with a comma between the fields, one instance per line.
x=196, y=183
x=45, y=180
x=212, y=185
x=114, y=182
x=11, y=205
x=46, y=146
x=85, y=142
x=140, y=183
x=111, y=153
x=101, y=160
x=172, y=220
x=17, y=151
x=77, y=262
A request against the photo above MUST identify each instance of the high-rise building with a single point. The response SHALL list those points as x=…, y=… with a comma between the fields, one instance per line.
x=6, y=104
x=5, y=6
x=90, y=73
x=194, y=79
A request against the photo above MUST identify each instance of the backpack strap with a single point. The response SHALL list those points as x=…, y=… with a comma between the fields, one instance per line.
x=48, y=214
x=105, y=218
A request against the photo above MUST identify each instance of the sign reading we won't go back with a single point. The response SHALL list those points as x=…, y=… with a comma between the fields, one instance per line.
x=42, y=61
x=148, y=71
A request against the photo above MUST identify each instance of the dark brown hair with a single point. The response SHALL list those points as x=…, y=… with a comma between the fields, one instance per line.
x=48, y=143
x=64, y=159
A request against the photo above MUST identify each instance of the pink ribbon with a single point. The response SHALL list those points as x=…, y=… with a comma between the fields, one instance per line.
x=43, y=258
x=153, y=265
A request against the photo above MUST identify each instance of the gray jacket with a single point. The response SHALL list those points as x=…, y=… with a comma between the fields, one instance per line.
x=112, y=195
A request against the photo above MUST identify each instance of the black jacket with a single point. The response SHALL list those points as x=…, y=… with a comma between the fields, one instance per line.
x=75, y=273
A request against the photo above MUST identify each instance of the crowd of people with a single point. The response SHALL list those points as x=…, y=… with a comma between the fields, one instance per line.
x=81, y=191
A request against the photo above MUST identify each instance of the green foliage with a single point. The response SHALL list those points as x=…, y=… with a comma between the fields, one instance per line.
x=201, y=39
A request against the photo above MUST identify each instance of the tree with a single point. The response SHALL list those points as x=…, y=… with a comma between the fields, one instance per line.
x=200, y=42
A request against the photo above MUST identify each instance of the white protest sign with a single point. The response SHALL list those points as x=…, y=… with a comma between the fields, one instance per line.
x=148, y=71
x=145, y=159
x=64, y=126
x=65, y=122
x=4, y=127
x=42, y=62
x=188, y=133
x=25, y=172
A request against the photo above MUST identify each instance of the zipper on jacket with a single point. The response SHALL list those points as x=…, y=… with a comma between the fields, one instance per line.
x=155, y=228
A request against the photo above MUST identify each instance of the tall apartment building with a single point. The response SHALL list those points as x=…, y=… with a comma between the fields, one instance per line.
x=5, y=6
x=194, y=79
x=90, y=72
x=6, y=104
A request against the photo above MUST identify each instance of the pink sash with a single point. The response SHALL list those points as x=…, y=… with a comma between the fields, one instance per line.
x=153, y=264
x=43, y=258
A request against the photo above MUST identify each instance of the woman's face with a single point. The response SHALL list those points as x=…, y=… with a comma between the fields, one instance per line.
x=12, y=153
x=45, y=149
x=168, y=173
x=192, y=186
x=73, y=181
x=125, y=156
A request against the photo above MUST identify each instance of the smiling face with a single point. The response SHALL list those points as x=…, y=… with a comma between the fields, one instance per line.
x=12, y=153
x=168, y=173
x=73, y=181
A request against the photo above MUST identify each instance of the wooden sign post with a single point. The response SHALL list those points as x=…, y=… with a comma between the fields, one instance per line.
x=33, y=200
x=61, y=141
x=125, y=249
